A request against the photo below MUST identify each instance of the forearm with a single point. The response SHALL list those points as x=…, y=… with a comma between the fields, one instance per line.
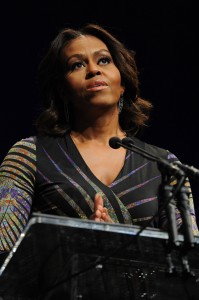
x=15, y=205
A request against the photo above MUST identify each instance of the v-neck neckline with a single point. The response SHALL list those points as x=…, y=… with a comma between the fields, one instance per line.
x=80, y=161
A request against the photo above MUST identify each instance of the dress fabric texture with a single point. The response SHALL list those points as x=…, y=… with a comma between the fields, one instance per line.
x=48, y=175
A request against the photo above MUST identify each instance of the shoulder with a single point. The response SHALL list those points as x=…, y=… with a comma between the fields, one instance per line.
x=49, y=141
x=24, y=145
x=20, y=159
x=22, y=150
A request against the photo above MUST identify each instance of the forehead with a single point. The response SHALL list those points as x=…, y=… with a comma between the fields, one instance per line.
x=84, y=44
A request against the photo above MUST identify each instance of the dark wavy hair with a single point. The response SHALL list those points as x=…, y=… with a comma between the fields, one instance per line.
x=52, y=120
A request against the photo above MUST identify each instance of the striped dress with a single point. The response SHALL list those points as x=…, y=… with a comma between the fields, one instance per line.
x=48, y=175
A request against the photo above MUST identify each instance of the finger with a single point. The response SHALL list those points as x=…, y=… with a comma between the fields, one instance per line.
x=105, y=210
x=97, y=220
x=104, y=216
x=98, y=202
x=93, y=217
x=98, y=213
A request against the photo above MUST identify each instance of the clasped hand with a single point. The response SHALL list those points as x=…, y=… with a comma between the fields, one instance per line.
x=100, y=213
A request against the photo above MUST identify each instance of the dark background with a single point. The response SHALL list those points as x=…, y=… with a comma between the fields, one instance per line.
x=164, y=35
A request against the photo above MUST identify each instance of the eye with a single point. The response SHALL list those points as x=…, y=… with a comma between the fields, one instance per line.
x=104, y=60
x=77, y=65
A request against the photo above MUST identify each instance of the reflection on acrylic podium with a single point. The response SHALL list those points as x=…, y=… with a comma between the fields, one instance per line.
x=64, y=258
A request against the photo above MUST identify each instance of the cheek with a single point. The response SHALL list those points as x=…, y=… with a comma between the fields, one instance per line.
x=71, y=82
x=116, y=82
x=73, y=85
x=116, y=77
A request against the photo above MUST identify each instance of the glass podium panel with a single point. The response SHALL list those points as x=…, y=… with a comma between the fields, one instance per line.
x=67, y=258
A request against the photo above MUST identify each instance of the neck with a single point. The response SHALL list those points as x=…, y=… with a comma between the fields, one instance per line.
x=99, y=128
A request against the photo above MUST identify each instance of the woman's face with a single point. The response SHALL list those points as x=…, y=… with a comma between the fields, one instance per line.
x=92, y=79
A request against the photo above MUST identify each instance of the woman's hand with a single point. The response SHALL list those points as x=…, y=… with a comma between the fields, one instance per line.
x=100, y=212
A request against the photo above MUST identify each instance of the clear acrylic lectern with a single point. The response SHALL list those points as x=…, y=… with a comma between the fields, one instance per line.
x=64, y=258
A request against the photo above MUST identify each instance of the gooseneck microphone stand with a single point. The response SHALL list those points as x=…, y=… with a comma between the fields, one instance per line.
x=168, y=195
x=166, y=191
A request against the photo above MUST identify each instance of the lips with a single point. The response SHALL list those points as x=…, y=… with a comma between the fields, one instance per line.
x=97, y=85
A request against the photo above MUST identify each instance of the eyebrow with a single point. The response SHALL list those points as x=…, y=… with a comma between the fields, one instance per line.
x=82, y=56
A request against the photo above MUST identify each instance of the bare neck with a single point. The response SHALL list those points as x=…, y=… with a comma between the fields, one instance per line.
x=99, y=128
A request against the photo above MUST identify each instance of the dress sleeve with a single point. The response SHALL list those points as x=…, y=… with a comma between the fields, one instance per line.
x=163, y=220
x=17, y=178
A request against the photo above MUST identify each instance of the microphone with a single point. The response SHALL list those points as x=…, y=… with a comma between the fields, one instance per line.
x=115, y=142
x=190, y=170
x=172, y=168
x=128, y=143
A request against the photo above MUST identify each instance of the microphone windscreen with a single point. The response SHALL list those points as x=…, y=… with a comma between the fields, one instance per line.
x=115, y=142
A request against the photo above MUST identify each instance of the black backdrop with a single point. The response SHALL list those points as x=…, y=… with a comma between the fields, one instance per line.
x=164, y=35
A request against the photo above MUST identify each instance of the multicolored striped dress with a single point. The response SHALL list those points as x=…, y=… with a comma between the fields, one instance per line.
x=48, y=175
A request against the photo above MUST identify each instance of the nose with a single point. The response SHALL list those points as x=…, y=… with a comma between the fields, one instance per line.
x=92, y=70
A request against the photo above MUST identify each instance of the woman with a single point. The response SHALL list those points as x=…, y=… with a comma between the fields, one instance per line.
x=90, y=90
